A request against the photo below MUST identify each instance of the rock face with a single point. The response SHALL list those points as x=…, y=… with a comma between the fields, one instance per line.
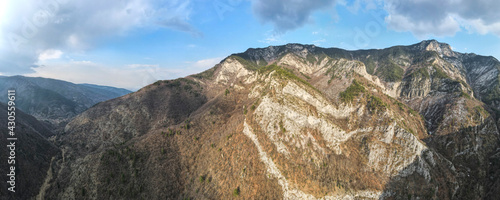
x=295, y=122
x=55, y=101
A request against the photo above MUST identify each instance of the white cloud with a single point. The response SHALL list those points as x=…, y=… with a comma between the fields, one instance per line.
x=133, y=76
x=272, y=38
x=32, y=26
x=356, y=5
x=50, y=54
x=426, y=18
x=287, y=15
x=3, y=11
x=130, y=77
x=206, y=63
x=319, y=42
x=422, y=29
x=481, y=27
x=142, y=66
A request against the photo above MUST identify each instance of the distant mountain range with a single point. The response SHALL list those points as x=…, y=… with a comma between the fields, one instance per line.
x=55, y=101
x=286, y=122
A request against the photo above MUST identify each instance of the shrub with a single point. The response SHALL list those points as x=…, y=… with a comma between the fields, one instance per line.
x=308, y=77
x=463, y=94
x=122, y=178
x=354, y=90
x=246, y=63
x=174, y=83
x=281, y=126
x=390, y=71
x=226, y=92
x=311, y=59
x=420, y=72
x=370, y=66
x=285, y=73
x=206, y=74
x=439, y=74
x=375, y=104
x=236, y=192
x=401, y=106
x=187, y=126
x=187, y=87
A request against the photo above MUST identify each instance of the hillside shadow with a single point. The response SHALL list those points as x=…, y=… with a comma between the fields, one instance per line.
x=32, y=155
x=464, y=168
x=422, y=180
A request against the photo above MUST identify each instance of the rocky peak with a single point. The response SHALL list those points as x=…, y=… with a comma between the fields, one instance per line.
x=293, y=47
x=271, y=53
x=432, y=45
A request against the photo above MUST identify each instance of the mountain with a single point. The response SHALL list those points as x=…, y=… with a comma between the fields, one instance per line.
x=33, y=155
x=56, y=101
x=107, y=90
x=295, y=122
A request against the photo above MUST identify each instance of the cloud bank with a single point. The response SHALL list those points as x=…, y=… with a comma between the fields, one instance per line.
x=286, y=15
x=426, y=18
x=30, y=28
x=132, y=77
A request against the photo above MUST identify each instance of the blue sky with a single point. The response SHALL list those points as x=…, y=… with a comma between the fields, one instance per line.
x=133, y=43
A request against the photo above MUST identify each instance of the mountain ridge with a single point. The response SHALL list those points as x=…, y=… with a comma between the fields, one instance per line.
x=294, y=122
x=56, y=101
